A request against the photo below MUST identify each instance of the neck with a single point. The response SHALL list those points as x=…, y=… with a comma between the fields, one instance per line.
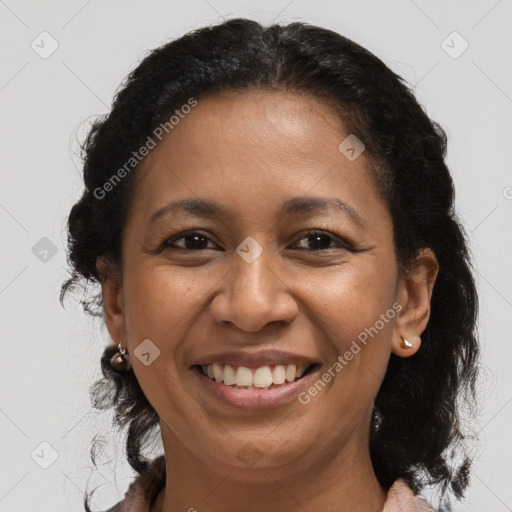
x=336, y=482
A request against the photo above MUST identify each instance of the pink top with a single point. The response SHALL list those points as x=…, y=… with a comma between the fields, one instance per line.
x=144, y=489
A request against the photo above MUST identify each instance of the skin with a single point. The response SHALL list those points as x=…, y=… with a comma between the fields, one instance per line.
x=251, y=151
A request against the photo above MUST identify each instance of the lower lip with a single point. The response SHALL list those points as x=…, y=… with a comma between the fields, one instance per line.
x=246, y=399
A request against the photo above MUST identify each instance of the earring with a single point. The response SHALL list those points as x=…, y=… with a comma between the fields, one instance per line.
x=406, y=344
x=121, y=360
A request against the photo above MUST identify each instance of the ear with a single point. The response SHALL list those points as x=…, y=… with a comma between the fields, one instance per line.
x=113, y=308
x=414, y=294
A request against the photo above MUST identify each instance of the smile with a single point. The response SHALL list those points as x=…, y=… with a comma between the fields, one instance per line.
x=256, y=388
x=261, y=378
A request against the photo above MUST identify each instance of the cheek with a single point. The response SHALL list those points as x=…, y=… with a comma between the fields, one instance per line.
x=351, y=297
x=352, y=309
x=159, y=299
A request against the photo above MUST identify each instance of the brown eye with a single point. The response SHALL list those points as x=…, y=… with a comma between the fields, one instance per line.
x=197, y=241
x=321, y=240
x=192, y=241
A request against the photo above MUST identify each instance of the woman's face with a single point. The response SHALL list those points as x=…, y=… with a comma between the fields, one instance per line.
x=250, y=280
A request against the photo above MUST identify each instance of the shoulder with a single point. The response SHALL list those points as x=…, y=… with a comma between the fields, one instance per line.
x=401, y=499
x=143, y=489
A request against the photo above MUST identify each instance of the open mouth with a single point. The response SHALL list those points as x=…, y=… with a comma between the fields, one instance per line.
x=255, y=379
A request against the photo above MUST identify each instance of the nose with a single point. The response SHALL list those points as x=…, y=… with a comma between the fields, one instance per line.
x=254, y=295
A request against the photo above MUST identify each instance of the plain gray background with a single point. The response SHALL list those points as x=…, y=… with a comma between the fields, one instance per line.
x=50, y=355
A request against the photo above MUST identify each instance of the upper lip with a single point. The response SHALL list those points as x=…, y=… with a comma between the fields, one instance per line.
x=256, y=359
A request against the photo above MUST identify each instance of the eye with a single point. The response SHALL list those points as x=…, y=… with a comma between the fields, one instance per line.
x=321, y=240
x=316, y=240
x=193, y=240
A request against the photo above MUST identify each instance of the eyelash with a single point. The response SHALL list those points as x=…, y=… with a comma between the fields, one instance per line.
x=340, y=242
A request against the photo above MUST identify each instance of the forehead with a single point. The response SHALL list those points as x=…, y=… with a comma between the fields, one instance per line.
x=254, y=148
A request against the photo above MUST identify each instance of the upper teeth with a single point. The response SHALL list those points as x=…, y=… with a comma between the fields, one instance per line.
x=261, y=377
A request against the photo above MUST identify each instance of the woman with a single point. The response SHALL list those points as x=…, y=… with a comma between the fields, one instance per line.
x=270, y=218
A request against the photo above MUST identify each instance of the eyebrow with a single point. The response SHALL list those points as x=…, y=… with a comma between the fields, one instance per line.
x=294, y=206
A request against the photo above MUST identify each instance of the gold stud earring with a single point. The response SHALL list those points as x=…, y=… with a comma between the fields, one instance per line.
x=406, y=344
x=121, y=360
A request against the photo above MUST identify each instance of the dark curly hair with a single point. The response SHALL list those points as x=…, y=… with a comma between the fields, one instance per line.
x=416, y=428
